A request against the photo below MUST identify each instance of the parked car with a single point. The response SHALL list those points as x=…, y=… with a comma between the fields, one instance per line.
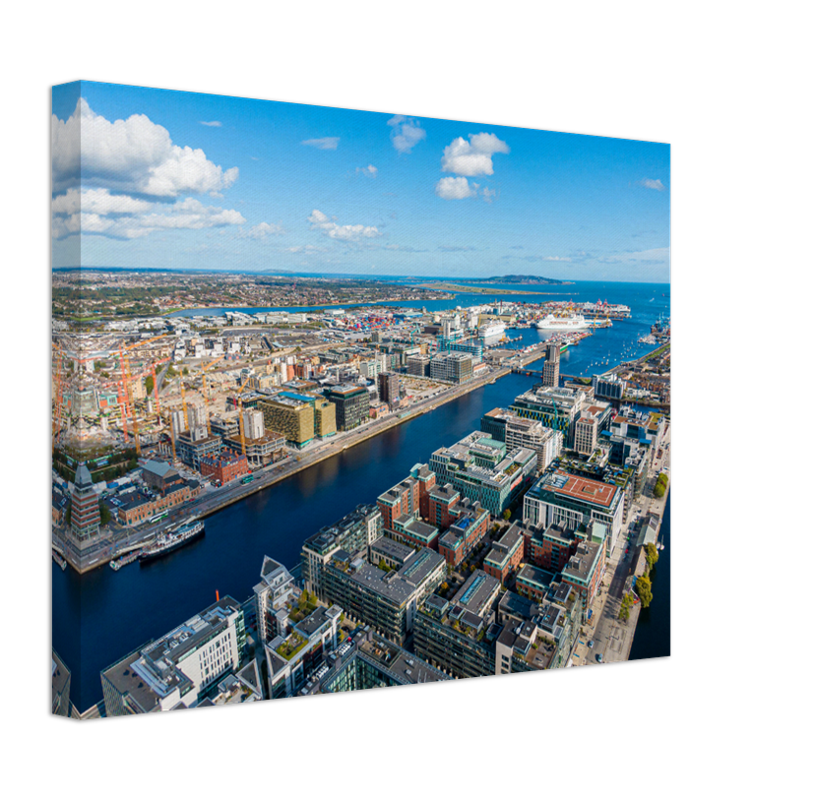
x=599, y=658
x=591, y=642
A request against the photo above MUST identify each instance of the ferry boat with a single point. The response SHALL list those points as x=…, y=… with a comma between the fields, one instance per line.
x=170, y=541
x=553, y=323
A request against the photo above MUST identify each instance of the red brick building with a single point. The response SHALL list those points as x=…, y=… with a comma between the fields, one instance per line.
x=469, y=527
x=224, y=466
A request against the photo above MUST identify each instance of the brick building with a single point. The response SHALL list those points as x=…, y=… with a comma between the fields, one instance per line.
x=225, y=466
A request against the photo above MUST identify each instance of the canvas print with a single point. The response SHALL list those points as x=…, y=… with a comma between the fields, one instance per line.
x=347, y=399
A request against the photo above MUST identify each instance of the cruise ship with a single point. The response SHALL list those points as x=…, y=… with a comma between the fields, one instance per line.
x=492, y=332
x=169, y=541
x=553, y=323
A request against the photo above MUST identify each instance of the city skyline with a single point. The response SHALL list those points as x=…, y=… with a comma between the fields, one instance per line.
x=251, y=185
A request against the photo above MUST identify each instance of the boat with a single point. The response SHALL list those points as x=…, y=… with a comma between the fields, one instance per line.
x=61, y=562
x=553, y=323
x=117, y=563
x=169, y=541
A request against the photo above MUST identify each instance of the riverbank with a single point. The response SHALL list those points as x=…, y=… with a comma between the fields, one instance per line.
x=93, y=555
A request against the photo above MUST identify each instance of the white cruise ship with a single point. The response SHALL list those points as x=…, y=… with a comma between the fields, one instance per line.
x=492, y=332
x=553, y=323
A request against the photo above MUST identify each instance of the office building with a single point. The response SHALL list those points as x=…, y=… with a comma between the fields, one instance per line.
x=459, y=635
x=551, y=367
x=253, y=425
x=175, y=671
x=608, y=387
x=570, y=501
x=419, y=366
x=389, y=388
x=371, y=662
x=451, y=367
x=352, y=403
x=60, y=687
x=224, y=466
x=506, y=426
x=588, y=426
x=386, y=600
x=483, y=469
x=556, y=408
x=354, y=534
x=192, y=446
x=290, y=416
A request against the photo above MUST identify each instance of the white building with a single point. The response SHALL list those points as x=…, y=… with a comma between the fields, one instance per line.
x=253, y=427
x=175, y=671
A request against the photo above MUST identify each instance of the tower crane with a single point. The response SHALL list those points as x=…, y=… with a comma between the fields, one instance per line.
x=240, y=414
x=206, y=392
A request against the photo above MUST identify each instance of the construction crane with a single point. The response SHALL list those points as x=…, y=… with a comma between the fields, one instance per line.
x=206, y=392
x=240, y=414
x=126, y=399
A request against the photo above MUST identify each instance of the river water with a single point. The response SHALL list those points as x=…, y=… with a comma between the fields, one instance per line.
x=100, y=617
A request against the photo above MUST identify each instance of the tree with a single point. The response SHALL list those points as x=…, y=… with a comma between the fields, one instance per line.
x=149, y=383
x=104, y=513
x=185, y=371
x=651, y=555
x=507, y=514
x=659, y=489
x=644, y=591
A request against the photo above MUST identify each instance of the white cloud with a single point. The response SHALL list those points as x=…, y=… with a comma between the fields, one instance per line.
x=308, y=248
x=123, y=217
x=474, y=157
x=648, y=183
x=261, y=231
x=326, y=143
x=455, y=189
x=406, y=133
x=343, y=233
x=98, y=201
x=369, y=171
x=213, y=124
x=133, y=156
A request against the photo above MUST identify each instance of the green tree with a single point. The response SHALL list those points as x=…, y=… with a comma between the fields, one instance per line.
x=651, y=555
x=104, y=513
x=149, y=383
x=185, y=371
x=644, y=591
x=507, y=514
x=659, y=489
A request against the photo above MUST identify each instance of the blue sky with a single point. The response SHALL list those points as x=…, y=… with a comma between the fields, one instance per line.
x=181, y=180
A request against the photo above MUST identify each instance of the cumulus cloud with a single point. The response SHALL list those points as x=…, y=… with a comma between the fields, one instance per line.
x=474, y=157
x=456, y=189
x=213, y=124
x=455, y=248
x=134, y=156
x=98, y=201
x=326, y=143
x=308, y=248
x=102, y=216
x=648, y=183
x=342, y=233
x=406, y=133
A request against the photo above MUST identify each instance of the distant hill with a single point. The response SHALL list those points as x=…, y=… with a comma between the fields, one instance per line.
x=523, y=279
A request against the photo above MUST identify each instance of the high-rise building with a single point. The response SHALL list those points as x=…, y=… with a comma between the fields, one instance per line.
x=253, y=427
x=291, y=416
x=353, y=405
x=85, y=514
x=451, y=367
x=551, y=367
x=389, y=388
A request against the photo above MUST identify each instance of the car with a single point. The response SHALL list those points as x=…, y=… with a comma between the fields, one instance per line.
x=591, y=642
x=599, y=658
